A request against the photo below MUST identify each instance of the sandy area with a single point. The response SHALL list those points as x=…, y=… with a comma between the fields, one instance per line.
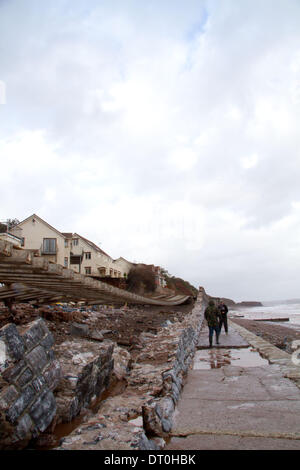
x=278, y=335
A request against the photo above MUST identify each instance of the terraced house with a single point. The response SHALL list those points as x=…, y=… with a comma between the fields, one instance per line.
x=71, y=250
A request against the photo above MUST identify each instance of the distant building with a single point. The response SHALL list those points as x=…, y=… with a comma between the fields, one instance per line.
x=159, y=279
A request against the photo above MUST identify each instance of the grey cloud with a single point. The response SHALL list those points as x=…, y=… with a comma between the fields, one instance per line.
x=157, y=104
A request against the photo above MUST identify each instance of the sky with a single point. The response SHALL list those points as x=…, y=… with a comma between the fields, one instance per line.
x=166, y=132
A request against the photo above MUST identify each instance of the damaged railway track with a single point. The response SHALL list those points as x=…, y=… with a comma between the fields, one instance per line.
x=29, y=277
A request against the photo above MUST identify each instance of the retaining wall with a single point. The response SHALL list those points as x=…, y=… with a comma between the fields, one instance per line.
x=142, y=415
x=157, y=413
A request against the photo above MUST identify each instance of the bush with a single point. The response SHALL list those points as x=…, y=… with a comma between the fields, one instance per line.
x=141, y=279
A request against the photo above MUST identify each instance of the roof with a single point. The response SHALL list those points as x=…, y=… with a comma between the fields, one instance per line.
x=92, y=245
x=67, y=234
x=124, y=259
x=44, y=222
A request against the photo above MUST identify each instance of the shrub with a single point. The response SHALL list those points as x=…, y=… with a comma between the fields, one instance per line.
x=141, y=279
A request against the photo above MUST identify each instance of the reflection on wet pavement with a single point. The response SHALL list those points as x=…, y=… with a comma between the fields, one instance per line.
x=215, y=358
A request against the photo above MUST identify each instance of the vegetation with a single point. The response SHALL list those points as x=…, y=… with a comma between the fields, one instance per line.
x=141, y=279
x=3, y=228
x=180, y=286
x=11, y=223
x=8, y=225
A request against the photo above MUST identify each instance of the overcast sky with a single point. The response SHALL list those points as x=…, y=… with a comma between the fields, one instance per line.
x=166, y=131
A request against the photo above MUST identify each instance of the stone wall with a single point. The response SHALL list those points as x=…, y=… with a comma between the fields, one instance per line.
x=29, y=374
x=141, y=417
x=157, y=413
x=86, y=371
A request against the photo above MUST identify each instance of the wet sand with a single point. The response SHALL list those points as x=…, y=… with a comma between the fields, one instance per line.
x=278, y=335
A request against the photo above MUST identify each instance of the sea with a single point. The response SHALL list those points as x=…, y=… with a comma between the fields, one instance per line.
x=272, y=310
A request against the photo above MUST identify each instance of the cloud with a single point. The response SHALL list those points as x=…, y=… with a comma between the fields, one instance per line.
x=167, y=132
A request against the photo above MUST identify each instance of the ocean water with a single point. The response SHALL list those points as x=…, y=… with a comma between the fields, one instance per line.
x=280, y=310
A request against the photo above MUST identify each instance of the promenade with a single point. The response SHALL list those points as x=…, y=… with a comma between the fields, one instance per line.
x=235, y=399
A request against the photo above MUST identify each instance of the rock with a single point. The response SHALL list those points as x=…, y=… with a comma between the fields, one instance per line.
x=122, y=360
x=152, y=423
x=86, y=370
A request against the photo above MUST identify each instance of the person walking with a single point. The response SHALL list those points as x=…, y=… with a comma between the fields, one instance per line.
x=212, y=316
x=223, y=310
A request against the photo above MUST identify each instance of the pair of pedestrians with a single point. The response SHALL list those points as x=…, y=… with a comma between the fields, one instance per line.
x=216, y=316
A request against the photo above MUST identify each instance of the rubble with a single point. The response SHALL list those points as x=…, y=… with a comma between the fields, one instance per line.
x=146, y=359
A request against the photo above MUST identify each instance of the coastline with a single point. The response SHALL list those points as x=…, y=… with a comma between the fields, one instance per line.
x=278, y=335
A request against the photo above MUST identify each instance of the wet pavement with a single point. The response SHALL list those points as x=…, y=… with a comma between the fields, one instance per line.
x=232, y=340
x=216, y=357
x=234, y=399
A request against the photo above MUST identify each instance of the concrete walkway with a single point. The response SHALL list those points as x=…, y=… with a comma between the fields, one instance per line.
x=237, y=407
x=232, y=340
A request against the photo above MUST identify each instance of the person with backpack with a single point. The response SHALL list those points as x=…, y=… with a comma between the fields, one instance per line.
x=212, y=316
x=223, y=310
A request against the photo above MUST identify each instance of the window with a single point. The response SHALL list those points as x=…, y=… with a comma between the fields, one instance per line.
x=49, y=245
x=88, y=270
x=88, y=255
x=22, y=241
x=66, y=262
x=66, y=243
x=75, y=242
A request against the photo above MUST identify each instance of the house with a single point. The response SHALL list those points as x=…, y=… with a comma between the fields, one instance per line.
x=38, y=235
x=123, y=265
x=69, y=249
x=87, y=258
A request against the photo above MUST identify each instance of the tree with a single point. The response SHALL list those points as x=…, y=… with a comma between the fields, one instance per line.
x=11, y=223
x=3, y=228
x=141, y=279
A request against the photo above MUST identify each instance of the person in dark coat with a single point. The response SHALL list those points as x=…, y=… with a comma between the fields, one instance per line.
x=212, y=316
x=223, y=310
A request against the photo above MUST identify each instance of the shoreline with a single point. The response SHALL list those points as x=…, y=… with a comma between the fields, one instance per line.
x=278, y=335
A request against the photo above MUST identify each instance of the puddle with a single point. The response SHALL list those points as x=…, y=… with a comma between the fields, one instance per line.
x=206, y=359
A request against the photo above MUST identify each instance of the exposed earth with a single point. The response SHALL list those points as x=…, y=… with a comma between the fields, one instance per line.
x=120, y=324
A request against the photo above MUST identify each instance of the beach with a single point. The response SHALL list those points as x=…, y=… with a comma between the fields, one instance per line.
x=280, y=334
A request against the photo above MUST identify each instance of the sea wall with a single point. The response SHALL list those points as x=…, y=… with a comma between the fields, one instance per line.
x=157, y=413
x=141, y=417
